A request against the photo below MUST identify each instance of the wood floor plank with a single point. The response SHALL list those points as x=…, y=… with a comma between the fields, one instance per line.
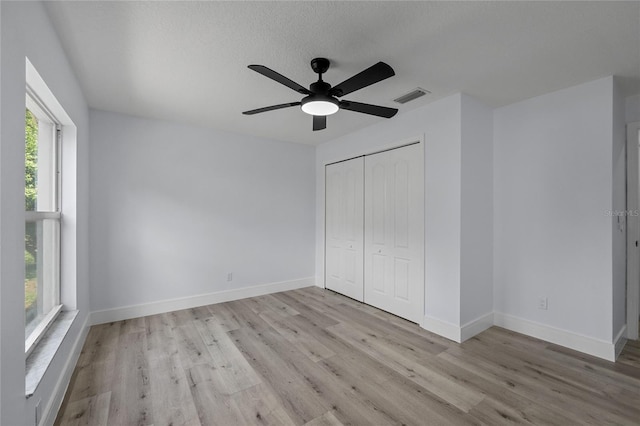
x=191, y=347
x=134, y=325
x=302, y=340
x=505, y=391
x=101, y=344
x=97, y=362
x=311, y=356
x=493, y=412
x=620, y=388
x=178, y=318
x=433, y=381
x=169, y=392
x=299, y=399
x=213, y=407
x=343, y=397
x=259, y=405
x=232, y=368
x=269, y=303
x=536, y=387
x=222, y=317
x=582, y=385
x=316, y=317
x=613, y=370
x=393, y=396
x=358, y=314
x=159, y=334
x=130, y=388
x=90, y=411
x=327, y=419
x=241, y=312
x=520, y=407
x=278, y=306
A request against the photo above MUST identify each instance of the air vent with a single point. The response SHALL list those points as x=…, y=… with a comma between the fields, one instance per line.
x=414, y=94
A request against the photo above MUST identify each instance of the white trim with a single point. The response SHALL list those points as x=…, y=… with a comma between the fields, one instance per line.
x=50, y=412
x=568, y=339
x=442, y=328
x=36, y=85
x=456, y=333
x=476, y=326
x=633, y=232
x=620, y=341
x=31, y=216
x=384, y=147
x=163, y=306
x=38, y=332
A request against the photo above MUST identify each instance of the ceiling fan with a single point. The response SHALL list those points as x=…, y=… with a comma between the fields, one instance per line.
x=322, y=99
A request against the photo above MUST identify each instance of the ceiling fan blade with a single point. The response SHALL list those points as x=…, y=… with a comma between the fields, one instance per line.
x=371, y=75
x=380, y=111
x=267, y=72
x=270, y=108
x=319, y=122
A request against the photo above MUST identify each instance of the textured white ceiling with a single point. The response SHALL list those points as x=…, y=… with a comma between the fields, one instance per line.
x=187, y=61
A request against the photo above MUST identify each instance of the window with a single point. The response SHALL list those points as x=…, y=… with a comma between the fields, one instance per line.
x=42, y=214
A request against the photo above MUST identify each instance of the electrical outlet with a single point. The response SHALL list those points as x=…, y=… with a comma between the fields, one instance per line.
x=230, y=276
x=543, y=303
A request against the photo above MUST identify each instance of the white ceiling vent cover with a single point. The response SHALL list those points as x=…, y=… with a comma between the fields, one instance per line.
x=414, y=94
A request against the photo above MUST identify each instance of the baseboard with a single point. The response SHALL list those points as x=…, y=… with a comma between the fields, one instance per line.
x=456, y=333
x=50, y=412
x=162, y=306
x=589, y=345
x=620, y=341
x=476, y=326
x=442, y=328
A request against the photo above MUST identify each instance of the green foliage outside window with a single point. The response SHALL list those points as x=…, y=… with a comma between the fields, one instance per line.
x=30, y=197
x=31, y=161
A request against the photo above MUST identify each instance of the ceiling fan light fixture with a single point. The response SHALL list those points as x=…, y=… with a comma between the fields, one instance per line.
x=319, y=105
x=322, y=98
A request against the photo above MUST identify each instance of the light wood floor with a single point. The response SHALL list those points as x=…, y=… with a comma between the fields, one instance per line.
x=314, y=357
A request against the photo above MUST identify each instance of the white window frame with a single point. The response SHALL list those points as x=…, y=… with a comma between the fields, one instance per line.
x=51, y=219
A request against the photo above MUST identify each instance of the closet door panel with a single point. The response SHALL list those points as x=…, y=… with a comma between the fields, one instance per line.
x=344, y=239
x=394, y=231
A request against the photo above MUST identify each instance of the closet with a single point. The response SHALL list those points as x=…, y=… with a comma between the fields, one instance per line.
x=374, y=230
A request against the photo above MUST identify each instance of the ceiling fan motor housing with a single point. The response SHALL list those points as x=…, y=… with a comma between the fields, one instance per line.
x=320, y=87
x=320, y=65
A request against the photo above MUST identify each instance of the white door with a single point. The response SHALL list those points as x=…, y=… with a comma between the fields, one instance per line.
x=394, y=231
x=344, y=227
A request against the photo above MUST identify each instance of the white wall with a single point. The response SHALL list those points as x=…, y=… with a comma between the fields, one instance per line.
x=440, y=124
x=476, y=272
x=176, y=208
x=27, y=32
x=553, y=184
x=632, y=109
x=619, y=232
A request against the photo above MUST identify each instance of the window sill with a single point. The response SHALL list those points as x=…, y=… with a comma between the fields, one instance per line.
x=41, y=330
x=38, y=361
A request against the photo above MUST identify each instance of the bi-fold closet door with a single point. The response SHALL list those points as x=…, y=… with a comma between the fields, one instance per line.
x=344, y=226
x=375, y=230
